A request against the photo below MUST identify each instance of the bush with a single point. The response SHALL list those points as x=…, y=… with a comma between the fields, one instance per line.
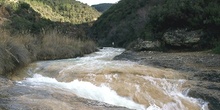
x=13, y=54
x=216, y=50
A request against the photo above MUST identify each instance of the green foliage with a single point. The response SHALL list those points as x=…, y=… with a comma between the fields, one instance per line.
x=150, y=19
x=216, y=50
x=27, y=35
x=174, y=14
x=120, y=24
x=65, y=10
x=102, y=7
x=24, y=19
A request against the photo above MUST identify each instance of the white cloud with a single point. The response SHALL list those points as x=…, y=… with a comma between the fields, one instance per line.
x=92, y=2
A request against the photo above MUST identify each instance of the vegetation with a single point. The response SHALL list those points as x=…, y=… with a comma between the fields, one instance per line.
x=216, y=50
x=122, y=23
x=24, y=19
x=64, y=10
x=150, y=19
x=57, y=46
x=102, y=7
x=193, y=15
x=27, y=36
x=18, y=51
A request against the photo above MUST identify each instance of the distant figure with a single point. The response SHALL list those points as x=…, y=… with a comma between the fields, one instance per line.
x=113, y=44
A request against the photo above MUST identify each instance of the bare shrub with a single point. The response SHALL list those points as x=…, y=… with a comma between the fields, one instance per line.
x=13, y=54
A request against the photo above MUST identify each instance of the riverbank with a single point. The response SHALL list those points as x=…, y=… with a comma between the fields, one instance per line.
x=17, y=95
x=201, y=68
x=46, y=84
x=17, y=51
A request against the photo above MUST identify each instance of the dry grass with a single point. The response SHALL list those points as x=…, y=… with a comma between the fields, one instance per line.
x=13, y=54
x=18, y=51
x=57, y=46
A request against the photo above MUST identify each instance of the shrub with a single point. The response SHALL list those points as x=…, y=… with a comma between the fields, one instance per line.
x=13, y=54
x=216, y=50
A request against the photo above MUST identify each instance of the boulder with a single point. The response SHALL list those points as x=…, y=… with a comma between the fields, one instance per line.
x=140, y=45
x=182, y=38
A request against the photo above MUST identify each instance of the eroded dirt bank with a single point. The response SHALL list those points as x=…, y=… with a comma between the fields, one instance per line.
x=201, y=68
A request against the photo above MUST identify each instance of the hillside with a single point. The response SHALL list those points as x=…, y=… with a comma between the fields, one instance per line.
x=150, y=20
x=65, y=11
x=122, y=23
x=28, y=35
x=102, y=7
x=36, y=16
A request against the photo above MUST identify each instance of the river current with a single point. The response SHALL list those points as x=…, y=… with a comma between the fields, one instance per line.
x=120, y=83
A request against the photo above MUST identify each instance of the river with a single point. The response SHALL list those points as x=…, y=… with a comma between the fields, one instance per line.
x=97, y=77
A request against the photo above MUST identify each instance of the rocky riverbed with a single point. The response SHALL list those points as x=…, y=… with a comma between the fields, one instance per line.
x=14, y=97
x=202, y=69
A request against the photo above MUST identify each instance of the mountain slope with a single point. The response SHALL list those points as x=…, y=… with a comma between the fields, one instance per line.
x=37, y=16
x=27, y=36
x=129, y=20
x=123, y=22
x=102, y=7
x=65, y=11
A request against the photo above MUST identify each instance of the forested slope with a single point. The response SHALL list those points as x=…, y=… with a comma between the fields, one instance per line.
x=102, y=7
x=64, y=10
x=150, y=19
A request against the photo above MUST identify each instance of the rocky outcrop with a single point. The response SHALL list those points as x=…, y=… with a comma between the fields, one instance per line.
x=208, y=91
x=182, y=37
x=140, y=45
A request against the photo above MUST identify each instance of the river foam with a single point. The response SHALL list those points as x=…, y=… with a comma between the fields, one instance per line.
x=84, y=89
x=120, y=83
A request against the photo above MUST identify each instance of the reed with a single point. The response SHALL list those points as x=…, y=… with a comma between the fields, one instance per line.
x=58, y=46
x=18, y=51
x=13, y=54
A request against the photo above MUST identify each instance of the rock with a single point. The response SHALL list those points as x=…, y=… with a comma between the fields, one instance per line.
x=211, y=75
x=182, y=37
x=207, y=91
x=140, y=45
x=5, y=82
x=31, y=98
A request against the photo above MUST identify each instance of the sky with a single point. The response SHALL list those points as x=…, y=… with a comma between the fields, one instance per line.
x=93, y=2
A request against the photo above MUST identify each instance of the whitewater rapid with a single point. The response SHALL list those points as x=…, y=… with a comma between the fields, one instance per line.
x=120, y=83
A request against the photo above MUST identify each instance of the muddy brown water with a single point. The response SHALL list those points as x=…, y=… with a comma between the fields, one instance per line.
x=97, y=77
